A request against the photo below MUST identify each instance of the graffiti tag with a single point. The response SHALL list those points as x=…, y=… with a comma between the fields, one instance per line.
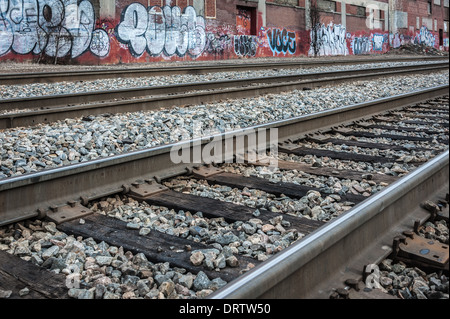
x=54, y=27
x=245, y=45
x=162, y=30
x=331, y=40
x=282, y=41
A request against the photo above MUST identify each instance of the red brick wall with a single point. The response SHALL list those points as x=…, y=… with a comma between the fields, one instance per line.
x=214, y=36
x=293, y=18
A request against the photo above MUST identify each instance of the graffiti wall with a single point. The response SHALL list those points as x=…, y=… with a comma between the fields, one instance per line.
x=71, y=31
x=421, y=37
x=331, y=40
x=51, y=27
x=282, y=41
x=371, y=43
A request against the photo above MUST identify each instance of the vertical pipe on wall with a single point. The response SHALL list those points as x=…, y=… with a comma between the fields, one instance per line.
x=343, y=14
x=262, y=10
x=391, y=17
x=307, y=14
x=107, y=9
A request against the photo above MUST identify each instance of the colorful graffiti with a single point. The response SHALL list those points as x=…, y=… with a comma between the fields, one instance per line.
x=218, y=43
x=50, y=27
x=282, y=41
x=425, y=37
x=361, y=45
x=378, y=41
x=160, y=30
x=245, y=45
x=68, y=31
x=368, y=44
x=331, y=40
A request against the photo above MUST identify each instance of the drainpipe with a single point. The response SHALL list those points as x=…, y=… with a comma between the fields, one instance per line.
x=343, y=14
x=262, y=10
x=392, y=22
x=107, y=9
x=307, y=14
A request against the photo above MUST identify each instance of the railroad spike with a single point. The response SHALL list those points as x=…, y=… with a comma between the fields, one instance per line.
x=42, y=213
x=353, y=283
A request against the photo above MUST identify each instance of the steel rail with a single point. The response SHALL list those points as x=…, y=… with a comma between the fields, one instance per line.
x=49, y=101
x=21, y=196
x=207, y=94
x=46, y=77
x=297, y=271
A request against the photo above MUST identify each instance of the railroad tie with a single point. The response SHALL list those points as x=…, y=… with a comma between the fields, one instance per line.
x=349, y=132
x=158, y=247
x=337, y=141
x=17, y=274
x=396, y=128
x=278, y=189
x=328, y=171
x=304, y=151
x=213, y=208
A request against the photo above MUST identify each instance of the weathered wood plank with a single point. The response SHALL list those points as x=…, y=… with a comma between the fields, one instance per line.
x=289, y=189
x=156, y=246
x=337, y=141
x=303, y=151
x=429, y=109
x=16, y=274
x=414, y=122
x=231, y=212
x=397, y=128
x=328, y=171
x=391, y=136
x=414, y=114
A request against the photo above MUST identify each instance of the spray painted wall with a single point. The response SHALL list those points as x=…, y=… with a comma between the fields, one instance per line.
x=68, y=31
x=50, y=27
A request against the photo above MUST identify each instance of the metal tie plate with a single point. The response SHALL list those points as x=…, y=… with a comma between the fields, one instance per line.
x=67, y=213
x=204, y=172
x=422, y=251
x=143, y=191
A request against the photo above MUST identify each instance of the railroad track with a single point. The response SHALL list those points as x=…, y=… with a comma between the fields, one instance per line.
x=312, y=252
x=48, y=109
x=49, y=77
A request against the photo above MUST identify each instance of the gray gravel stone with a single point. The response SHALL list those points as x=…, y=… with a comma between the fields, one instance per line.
x=28, y=149
x=201, y=281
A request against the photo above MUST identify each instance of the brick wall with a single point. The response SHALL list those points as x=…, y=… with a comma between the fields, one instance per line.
x=136, y=31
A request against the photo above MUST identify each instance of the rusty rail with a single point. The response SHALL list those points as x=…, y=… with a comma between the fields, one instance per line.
x=54, y=107
x=46, y=77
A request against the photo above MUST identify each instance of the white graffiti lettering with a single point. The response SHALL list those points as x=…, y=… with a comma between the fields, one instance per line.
x=426, y=37
x=331, y=40
x=162, y=30
x=54, y=27
x=378, y=40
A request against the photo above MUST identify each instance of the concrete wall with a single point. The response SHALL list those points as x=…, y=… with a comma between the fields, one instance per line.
x=133, y=31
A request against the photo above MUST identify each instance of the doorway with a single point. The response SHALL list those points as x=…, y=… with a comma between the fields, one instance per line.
x=246, y=20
